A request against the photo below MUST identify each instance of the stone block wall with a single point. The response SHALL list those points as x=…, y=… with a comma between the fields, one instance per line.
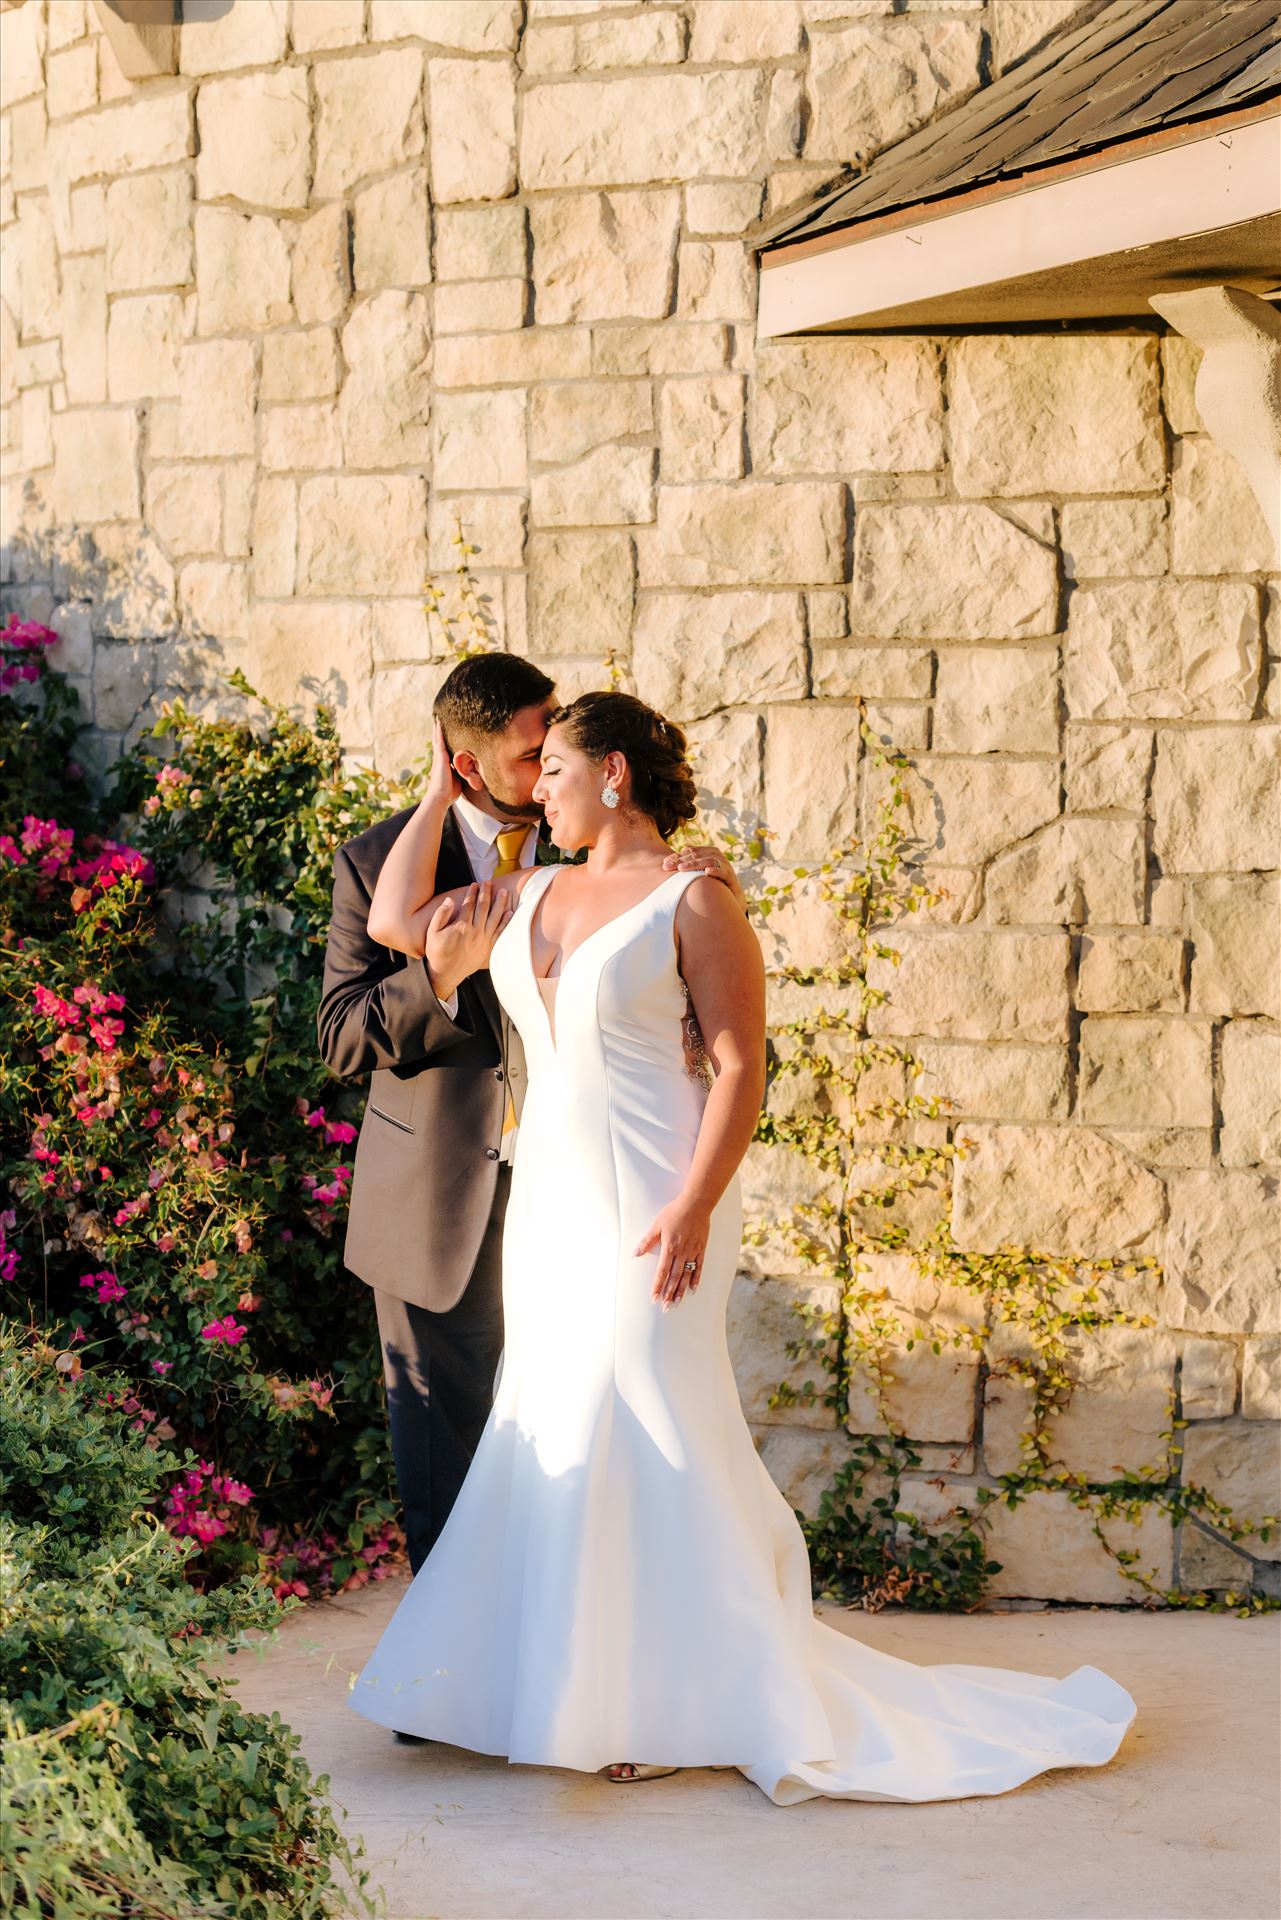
x=361, y=266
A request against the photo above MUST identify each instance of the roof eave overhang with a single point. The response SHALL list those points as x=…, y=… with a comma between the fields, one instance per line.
x=1091, y=239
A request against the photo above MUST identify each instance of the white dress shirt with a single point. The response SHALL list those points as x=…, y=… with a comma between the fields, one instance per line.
x=480, y=833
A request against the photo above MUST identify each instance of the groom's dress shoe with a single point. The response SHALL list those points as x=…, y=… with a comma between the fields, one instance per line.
x=412, y=1739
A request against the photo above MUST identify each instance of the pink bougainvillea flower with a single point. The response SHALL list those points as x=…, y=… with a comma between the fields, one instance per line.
x=226, y=1331
x=107, y=1288
x=162, y=1366
x=10, y=850
x=51, y=1006
x=51, y=842
x=27, y=634
x=340, y=1133
x=316, y=1118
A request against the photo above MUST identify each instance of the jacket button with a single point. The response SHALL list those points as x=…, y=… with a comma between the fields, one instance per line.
x=498, y=1073
x=491, y=1153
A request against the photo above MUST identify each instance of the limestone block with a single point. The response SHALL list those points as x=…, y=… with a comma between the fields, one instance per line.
x=609, y=486
x=762, y=1321
x=473, y=129
x=73, y=653
x=493, y=523
x=72, y=79
x=847, y=672
x=672, y=346
x=647, y=127
x=785, y=115
x=471, y=306
x=82, y=322
x=1041, y=413
x=997, y=700
x=1206, y=1560
x=716, y=281
x=1048, y=1550
x=802, y=930
x=481, y=243
x=1145, y=1072
x=242, y=271
x=480, y=440
x=604, y=256
x=23, y=42
x=96, y=465
x=36, y=431
x=1073, y=872
x=301, y=439
x=317, y=26
x=1250, y=1060
x=1019, y=26
x=29, y=166
x=845, y=405
x=393, y=232
x=955, y=572
x=828, y=614
x=1181, y=362
x=1221, y=1255
x=255, y=139
x=402, y=697
x=1216, y=799
x=1108, y=767
x=590, y=46
x=729, y=768
x=768, y=534
x=1239, y=1462
x=88, y=216
x=473, y=26
x=301, y=653
x=321, y=275
x=929, y=1395
x=802, y=1463
x=122, y=680
x=871, y=85
x=214, y=42
x=144, y=342
x=1235, y=963
x=385, y=404
x=1261, y=1380
x=721, y=206
x=1118, y=1410
x=1061, y=1189
x=701, y=429
x=146, y=130
x=133, y=589
x=362, y=534
x=964, y=812
x=1170, y=649
x=974, y=984
x=767, y=30
x=1131, y=973
x=995, y=1082
x=775, y=1184
x=369, y=116
x=581, y=589
x=299, y=366
x=1115, y=537
x=213, y=597
x=149, y=231
x=519, y=358
x=37, y=279
x=1216, y=524
x=569, y=418
x=275, y=537
x=183, y=508
x=811, y=753
x=399, y=635
x=213, y=416
x=1208, y=1381
x=696, y=653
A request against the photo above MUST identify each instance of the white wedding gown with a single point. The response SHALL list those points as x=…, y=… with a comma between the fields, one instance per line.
x=620, y=1579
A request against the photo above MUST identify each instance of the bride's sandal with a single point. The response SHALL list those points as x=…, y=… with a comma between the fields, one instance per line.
x=624, y=1772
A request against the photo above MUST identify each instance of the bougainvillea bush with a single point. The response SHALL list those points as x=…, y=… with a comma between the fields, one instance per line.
x=174, y=1154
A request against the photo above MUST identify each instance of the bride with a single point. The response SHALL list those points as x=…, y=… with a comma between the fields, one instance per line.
x=620, y=1576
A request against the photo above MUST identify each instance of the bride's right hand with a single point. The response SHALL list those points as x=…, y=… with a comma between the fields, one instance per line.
x=443, y=784
x=460, y=937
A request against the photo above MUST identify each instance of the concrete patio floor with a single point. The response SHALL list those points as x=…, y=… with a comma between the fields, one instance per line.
x=1181, y=1826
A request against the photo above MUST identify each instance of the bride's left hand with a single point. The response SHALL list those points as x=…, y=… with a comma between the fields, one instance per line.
x=710, y=860
x=680, y=1233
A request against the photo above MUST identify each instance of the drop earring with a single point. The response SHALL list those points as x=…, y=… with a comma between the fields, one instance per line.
x=609, y=797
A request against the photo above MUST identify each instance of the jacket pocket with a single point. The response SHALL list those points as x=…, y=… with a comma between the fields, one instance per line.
x=391, y=1097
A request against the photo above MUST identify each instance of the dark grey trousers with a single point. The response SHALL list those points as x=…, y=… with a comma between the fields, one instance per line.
x=439, y=1369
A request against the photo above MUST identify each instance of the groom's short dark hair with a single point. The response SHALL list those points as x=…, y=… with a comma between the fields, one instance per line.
x=483, y=695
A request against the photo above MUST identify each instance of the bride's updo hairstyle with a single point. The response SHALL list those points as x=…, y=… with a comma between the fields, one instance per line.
x=662, y=782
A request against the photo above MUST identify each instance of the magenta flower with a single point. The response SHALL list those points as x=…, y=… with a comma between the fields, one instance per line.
x=107, y=1288
x=162, y=1366
x=316, y=1118
x=27, y=634
x=340, y=1133
x=10, y=850
x=227, y=1331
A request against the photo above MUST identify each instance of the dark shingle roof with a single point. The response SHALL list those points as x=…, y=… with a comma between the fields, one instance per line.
x=1124, y=69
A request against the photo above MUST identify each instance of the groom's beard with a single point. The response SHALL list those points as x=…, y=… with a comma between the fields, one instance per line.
x=518, y=809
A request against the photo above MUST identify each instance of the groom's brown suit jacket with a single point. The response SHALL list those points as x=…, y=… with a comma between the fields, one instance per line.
x=427, y=1158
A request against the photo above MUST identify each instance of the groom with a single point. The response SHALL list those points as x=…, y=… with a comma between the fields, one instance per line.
x=433, y=1163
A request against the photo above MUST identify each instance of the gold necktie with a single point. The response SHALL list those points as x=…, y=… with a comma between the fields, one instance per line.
x=510, y=842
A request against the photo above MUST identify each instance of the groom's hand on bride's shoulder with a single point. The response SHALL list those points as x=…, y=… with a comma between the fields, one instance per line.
x=709, y=860
x=460, y=935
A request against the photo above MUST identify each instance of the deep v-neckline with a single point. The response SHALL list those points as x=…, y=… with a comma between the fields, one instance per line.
x=566, y=959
